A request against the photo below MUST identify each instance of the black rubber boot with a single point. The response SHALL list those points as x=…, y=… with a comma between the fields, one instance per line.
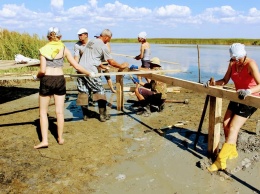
x=147, y=111
x=161, y=105
x=85, y=112
x=103, y=111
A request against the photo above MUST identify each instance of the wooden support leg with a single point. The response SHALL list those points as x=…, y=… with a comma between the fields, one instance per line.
x=201, y=121
x=119, y=92
x=214, y=126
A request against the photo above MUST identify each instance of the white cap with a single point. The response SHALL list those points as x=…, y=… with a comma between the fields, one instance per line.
x=54, y=29
x=82, y=31
x=237, y=50
x=142, y=35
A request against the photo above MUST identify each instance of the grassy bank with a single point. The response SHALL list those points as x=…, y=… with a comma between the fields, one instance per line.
x=212, y=41
x=13, y=43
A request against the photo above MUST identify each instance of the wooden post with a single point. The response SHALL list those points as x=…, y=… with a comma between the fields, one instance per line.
x=198, y=62
x=215, y=124
x=119, y=92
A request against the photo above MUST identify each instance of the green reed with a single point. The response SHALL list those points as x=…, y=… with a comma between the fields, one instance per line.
x=13, y=43
x=212, y=41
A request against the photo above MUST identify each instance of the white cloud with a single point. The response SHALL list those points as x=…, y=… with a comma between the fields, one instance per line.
x=173, y=10
x=120, y=16
x=254, y=12
x=57, y=4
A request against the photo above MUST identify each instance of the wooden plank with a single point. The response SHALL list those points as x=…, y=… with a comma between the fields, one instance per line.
x=119, y=92
x=169, y=89
x=128, y=73
x=7, y=64
x=217, y=91
x=215, y=109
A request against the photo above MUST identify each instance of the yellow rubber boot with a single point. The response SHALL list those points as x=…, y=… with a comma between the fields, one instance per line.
x=221, y=161
x=233, y=153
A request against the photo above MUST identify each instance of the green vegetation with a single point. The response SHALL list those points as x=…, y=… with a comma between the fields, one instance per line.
x=13, y=43
x=211, y=41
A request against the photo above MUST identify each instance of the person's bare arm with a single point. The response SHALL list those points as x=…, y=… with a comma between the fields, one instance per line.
x=42, y=67
x=113, y=63
x=74, y=63
x=226, y=78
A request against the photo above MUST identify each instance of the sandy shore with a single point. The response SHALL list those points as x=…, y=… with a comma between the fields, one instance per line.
x=123, y=155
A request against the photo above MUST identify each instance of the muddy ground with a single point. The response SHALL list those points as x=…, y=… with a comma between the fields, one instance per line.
x=127, y=154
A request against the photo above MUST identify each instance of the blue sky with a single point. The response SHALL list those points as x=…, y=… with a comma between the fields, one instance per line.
x=126, y=18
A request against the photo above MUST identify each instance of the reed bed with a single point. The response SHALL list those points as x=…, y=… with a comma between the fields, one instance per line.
x=13, y=43
x=196, y=41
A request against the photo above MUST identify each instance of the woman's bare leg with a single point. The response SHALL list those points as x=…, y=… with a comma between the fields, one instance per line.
x=59, y=104
x=236, y=123
x=226, y=123
x=44, y=123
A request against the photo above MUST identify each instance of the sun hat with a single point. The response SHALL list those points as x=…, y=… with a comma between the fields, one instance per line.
x=54, y=29
x=155, y=61
x=237, y=50
x=82, y=31
x=142, y=35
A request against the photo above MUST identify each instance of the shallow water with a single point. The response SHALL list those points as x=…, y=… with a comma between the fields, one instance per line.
x=213, y=58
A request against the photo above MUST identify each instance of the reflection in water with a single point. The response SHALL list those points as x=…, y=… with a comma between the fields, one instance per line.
x=213, y=58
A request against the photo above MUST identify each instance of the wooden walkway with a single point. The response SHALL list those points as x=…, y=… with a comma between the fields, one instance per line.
x=8, y=64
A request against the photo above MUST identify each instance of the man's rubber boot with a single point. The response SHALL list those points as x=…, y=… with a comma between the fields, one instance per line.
x=221, y=161
x=103, y=116
x=85, y=113
x=103, y=110
x=161, y=105
x=234, y=153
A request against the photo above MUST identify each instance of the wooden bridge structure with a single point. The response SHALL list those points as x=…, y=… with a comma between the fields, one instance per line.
x=215, y=95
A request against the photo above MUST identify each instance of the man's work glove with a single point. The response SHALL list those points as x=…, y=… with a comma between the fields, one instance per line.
x=135, y=80
x=92, y=74
x=133, y=67
x=243, y=93
x=210, y=82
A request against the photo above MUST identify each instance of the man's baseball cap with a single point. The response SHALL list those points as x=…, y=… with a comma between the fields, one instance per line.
x=82, y=31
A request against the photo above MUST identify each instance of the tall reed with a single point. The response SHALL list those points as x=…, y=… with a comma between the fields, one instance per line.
x=13, y=43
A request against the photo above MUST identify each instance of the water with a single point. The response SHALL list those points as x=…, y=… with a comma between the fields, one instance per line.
x=213, y=58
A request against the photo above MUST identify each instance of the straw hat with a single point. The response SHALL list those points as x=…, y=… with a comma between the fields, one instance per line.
x=155, y=61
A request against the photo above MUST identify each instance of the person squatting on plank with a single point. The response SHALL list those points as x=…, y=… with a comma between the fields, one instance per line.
x=152, y=93
x=52, y=82
x=245, y=74
x=96, y=51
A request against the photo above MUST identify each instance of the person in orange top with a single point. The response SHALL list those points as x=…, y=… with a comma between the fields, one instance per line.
x=245, y=74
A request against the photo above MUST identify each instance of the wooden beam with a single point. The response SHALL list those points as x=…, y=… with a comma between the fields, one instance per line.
x=119, y=92
x=217, y=91
x=215, y=123
x=128, y=72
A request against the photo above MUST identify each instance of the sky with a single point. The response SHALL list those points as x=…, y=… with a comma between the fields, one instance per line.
x=127, y=18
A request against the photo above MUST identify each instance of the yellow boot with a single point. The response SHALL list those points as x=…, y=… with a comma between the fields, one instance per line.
x=233, y=153
x=221, y=161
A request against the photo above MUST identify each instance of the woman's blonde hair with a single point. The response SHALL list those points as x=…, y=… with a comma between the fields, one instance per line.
x=53, y=37
x=53, y=34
